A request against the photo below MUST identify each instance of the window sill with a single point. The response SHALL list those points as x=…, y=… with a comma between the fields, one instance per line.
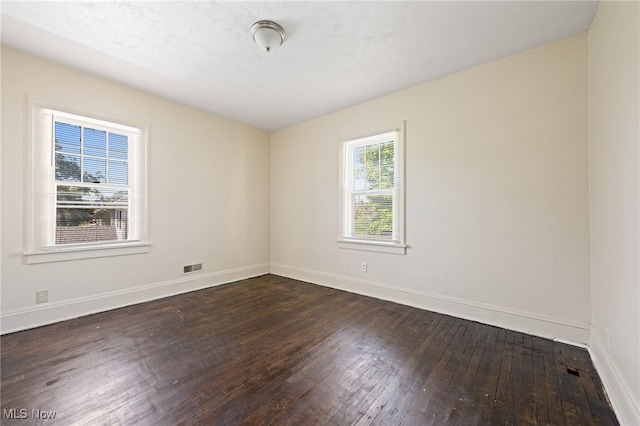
x=63, y=254
x=374, y=246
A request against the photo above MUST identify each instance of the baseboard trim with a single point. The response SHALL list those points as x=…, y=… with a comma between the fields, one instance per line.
x=526, y=322
x=625, y=405
x=21, y=319
x=572, y=343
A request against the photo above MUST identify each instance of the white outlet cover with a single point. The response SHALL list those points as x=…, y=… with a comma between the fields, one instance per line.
x=42, y=296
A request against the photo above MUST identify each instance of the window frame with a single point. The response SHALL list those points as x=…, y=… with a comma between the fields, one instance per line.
x=347, y=147
x=41, y=184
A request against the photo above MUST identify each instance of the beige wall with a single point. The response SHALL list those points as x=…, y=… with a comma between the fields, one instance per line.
x=614, y=117
x=496, y=195
x=209, y=199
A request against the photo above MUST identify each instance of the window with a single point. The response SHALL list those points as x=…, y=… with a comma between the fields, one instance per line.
x=88, y=187
x=372, y=195
x=91, y=183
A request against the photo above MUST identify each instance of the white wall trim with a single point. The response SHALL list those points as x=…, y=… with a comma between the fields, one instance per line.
x=625, y=405
x=526, y=322
x=38, y=315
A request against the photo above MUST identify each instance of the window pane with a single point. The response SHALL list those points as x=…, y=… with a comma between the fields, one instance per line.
x=71, y=195
x=118, y=146
x=67, y=137
x=95, y=142
x=373, y=156
x=358, y=157
x=373, y=216
x=67, y=167
x=118, y=172
x=95, y=170
x=78, y=196
x=373, y=166
x=83, y=225
x=359, y=181
x=386, y=177
x=373, y=178
x=386, y=154
x=386, y=165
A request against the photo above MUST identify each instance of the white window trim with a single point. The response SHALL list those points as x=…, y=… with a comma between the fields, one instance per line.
x=398, y=246
x=41, y=112
x=87, y=252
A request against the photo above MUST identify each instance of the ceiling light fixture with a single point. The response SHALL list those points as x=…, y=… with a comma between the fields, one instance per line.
x=268, y=35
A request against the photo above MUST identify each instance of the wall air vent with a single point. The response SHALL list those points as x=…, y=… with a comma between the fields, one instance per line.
x=186, y=269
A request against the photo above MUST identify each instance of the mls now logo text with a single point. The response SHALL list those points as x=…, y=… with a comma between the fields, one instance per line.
x=23, y=413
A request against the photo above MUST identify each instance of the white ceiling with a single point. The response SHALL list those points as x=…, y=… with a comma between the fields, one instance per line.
x=336, y=54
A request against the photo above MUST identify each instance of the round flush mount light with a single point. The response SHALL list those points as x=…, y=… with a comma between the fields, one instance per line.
x=268, y=35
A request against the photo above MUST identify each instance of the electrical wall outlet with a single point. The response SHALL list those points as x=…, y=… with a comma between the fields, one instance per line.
x=363, y=267
x=42, y=296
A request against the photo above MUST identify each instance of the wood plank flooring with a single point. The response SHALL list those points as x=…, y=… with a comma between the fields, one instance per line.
x=272, y=350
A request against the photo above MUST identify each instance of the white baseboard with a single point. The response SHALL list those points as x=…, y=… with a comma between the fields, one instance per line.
x=526, y=322
x=624, y=403
x=21, y=319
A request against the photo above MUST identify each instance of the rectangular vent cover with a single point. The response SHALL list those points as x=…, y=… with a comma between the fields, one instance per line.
x=573, y=371
x=186, y=269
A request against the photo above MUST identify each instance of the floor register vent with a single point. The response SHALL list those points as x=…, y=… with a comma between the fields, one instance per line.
x=573, y=371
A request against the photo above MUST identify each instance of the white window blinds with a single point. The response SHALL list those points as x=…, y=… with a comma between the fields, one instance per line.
x=91, y=183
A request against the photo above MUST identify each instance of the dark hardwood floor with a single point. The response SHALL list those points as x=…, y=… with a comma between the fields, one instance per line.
x=272, y=350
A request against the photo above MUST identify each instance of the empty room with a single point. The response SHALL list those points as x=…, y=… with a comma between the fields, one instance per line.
x=345, y=212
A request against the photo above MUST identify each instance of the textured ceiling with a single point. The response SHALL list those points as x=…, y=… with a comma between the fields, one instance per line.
x=336, y=54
